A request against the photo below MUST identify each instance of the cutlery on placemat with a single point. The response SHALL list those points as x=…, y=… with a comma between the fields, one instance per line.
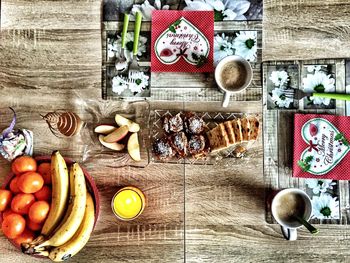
x=134, y=66
x=122, y=64
x=298, y=94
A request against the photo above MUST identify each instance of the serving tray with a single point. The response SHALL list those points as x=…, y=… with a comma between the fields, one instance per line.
x=211, y=119
x=278, y=130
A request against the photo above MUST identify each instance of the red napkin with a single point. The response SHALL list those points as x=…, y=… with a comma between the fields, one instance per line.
x=182, y=41
x=321, y=146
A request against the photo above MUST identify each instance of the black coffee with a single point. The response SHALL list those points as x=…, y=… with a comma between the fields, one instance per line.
x=233, y=75
x=289, y=206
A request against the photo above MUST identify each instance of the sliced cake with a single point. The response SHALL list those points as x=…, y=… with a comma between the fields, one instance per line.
x=218, y=138
x=245, y=128
x=254, y=128
x=237, y=127
x=230, y=132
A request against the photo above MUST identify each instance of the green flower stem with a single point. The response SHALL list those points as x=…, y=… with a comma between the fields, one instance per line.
x=309, y=227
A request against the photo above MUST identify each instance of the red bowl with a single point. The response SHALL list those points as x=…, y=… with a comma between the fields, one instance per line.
x=90, y=184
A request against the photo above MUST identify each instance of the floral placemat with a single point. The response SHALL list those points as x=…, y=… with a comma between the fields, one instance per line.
x=330, y=198
x=237, y=30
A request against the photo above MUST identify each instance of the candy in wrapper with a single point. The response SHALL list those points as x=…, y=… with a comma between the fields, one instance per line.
x=16, y=143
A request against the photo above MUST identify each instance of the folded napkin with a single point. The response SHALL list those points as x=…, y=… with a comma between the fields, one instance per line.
x=321, y=146
x=182, y=41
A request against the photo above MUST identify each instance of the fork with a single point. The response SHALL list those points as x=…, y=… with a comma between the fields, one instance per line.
x=298, y=94
x=122, y=65
x=134, y=66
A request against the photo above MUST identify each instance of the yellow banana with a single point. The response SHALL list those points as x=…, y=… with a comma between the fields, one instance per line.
x=60, y=186
x=76, y=210
x=80, y=238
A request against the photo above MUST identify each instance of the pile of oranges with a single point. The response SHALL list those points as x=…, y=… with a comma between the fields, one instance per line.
x=26, y=204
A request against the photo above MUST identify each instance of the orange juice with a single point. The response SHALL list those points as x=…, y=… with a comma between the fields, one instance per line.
x=128, y=203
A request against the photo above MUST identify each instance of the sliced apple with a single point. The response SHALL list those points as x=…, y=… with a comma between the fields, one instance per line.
x=134, y=147
x=121, y=121
x=117, y=134
x=111, y=145
x=105, y=129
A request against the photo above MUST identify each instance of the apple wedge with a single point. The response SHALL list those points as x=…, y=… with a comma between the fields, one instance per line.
x=121, y=121
x=134, y=147
x=111, y=145
x=105, y=129
x=117, y=134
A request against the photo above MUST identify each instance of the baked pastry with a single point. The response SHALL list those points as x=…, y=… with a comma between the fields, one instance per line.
x=173, y=124
x=230, y=132
x=237, y=127
x=218, y=138
x=162, y=149
x=196, y=145
x=254, y=128
x=194, y=124
x=245, y=128
x=178, y=142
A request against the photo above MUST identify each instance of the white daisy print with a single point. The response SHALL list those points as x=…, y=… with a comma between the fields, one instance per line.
x=314, y=68
x=245, y=44
x=146, y=9
x=116, y=47
x=279, y=78
x=223, y=9
x=280, y=99
x=139, y=82
x=320, y=185
x=222, y=47
x=119, y=84
x=319, y=82
x=325, y=207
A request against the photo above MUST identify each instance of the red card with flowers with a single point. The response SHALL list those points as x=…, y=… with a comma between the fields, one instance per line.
x=321, y=146
x=182, y=41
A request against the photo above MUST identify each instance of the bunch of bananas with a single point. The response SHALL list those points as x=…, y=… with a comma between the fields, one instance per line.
x=71, y=219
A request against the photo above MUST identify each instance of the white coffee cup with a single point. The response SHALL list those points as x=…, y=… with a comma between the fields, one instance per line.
x=247, y=78
x=289, y=229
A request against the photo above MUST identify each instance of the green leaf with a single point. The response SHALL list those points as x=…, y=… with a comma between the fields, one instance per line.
x=195, y=56
x=177, y=22
x=172, y=29
x=308, y=159
x=345, y=142
x=201, y=61
x=301, y=164
x=338, y=137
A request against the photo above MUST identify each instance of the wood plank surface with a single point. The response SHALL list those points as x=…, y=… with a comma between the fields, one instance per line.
x=306, y=29
x=50, y=58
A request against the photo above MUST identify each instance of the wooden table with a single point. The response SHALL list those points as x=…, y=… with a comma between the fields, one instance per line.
x=50, y=54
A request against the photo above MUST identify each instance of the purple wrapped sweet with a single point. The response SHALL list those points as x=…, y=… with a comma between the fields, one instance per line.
x=14, y=143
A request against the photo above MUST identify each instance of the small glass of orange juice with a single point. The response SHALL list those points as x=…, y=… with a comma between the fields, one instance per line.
x=128, y=203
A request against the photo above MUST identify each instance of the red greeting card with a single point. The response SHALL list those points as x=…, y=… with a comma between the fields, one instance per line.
x=182, y=41
x=321, y=146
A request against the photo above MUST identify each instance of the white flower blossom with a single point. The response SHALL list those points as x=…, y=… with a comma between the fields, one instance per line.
x=279, y=78
x=280, y=99
x=119, y=84
x=139, y=82
x=146, y=9
x=325, y=207
x=320, y=185
x=223, y=9
x=319, y=82
x=116, y=47
x=222, y=47
x=313, y=68
x=245, y=45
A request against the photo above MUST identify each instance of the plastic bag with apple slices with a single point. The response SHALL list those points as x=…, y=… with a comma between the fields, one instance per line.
x=119, y=133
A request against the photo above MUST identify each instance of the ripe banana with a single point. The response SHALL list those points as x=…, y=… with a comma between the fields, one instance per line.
x=80, y=238
x=60, y=186
x=76, y=210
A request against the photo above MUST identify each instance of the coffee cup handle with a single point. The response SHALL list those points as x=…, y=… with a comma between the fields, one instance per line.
x=290, y=234
x=226, y=99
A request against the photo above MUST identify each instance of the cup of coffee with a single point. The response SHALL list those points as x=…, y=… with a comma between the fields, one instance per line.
x=233, y=74
x=289, y=205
